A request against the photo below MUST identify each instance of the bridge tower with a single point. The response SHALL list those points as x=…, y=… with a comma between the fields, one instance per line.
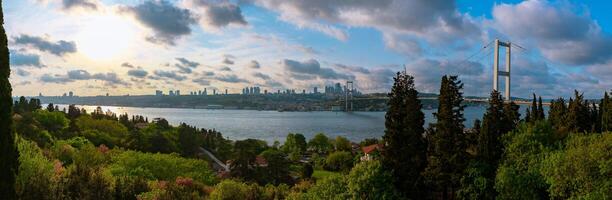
x=348, y=96
x=497, y=73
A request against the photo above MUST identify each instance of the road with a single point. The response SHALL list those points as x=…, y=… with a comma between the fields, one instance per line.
x=215, y=159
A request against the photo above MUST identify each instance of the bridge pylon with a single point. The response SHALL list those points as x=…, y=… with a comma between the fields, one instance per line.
x=497, y=73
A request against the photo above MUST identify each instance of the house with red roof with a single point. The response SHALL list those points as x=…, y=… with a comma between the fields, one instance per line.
x=371, y=152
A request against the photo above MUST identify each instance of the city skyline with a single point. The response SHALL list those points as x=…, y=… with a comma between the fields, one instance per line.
x=96, y=47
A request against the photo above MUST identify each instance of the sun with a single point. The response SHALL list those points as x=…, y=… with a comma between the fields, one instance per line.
x=105, y=37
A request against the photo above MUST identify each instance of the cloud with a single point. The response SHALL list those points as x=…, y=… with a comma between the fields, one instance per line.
x=59, y=48
x=562, y=35
x=18, y=58
x=73, y=4
x=127, y=65
x=209, y=73
x=138, y=73
x=22, y=72
x=254, y=64
x=227, y=61
x=167, y=21
x=225, y=69
x=202, y=81
x=435, y=20
x=261, y=75
x=232, y=78
x=216, y=14
x=185, y=66
x=309, y=69
x=110, y=78
x=169, y=74
x=48, y=78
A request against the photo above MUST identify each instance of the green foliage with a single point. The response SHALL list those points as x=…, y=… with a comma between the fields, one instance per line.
x=52, y=121
x=245, y=152
x=368, y=180
x=339, y=161
x=180, y=189
x=294, y=143
x=447, y=156
x=332, y=187
x=129, y=187
x=230, y=190
x=155, y=166
x=477, y=183
x=307, y=171
x=30, y=129
x=518, y=176
x=405, y=147
x=34, y=180
x=582, y=170
x=606, y=113
x=342, y=144
x=9, y=155
x=277, y=170
x=102, y=131
x=320, y=144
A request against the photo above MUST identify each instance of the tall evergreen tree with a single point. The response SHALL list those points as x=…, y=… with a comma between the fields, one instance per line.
x=447, y=156
x=494, y=124
x=8, y=149
x=606, y=113
x=513, y=117
x=578, y=114
x=404, y=151
x=540, y=109
x=534, y=109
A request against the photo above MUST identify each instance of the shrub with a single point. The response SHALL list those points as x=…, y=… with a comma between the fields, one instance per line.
x=339, y=161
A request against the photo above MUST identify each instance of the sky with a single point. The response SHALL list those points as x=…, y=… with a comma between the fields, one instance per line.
x=120, y=47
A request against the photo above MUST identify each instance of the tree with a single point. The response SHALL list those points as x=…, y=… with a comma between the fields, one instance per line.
x=307, y=171
x=447, y=156
x=230, y=189
x=606, y=113
x=404, y=150
x=557, y=115
x=578, y=114
x=320, y=144
x=188, y=142
x=342, y=144
x=295, y=146
x=339, y=161
x=9, y=155
x=490, y=147
x=245, y=152
x=540, y=109
x=368, y=180
x=333, y=187
x=277, y=170
x=50, y=107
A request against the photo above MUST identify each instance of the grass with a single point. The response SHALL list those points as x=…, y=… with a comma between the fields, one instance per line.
x=320, y=174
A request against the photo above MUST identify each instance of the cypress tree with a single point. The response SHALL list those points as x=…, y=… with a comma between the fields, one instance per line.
x=534, y=109
x=527, y=115
x=540, y=109
x=9, y=162
x=578, y=114
x=513, y=117
x=494, y=120
x=557, y=115
x=606, y=113
x=447, y=156
x=404, y=151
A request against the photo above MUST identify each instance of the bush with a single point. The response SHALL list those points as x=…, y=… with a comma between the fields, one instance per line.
x=368, y=180
x=230, y=190
x=339, y=161
x=52, y=121
x=34, y=180
x=129, y=187
x=332, y=188
x=102, y=130
x=155, y=166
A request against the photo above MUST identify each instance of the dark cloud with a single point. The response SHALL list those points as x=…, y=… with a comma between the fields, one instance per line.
x=261, y=75
x=73, y=4
x=18, y=58
x=562, y=35
x=138, y=73
x=307, y=69
x=232, y=78
x=225, y=69
x=185, y=66
x=217, y=14
x=127, y=65
x=352, y=68
x=434, y=19
x=167, y=21
x=254, y=64
x=59, y=48
x=273, y=84
x=79, y=74
x=22, y=72
x=202, y=81
x=227, y=61
x=209, y=73
x=48, y=78
x=169, y=75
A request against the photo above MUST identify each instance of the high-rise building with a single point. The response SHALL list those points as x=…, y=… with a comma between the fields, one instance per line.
x=171, y=93
x=226, y=91
x=70, y=94
x=178, y=93
x=315, y=90
x=205, y=92
x=214, y=91
x=159, y=93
